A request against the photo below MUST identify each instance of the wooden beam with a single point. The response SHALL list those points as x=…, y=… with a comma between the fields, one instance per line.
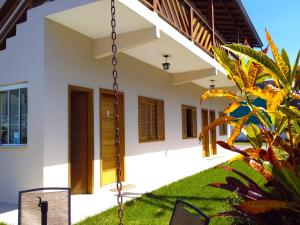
x=186, y=77
x=213, y=22
x=102, y=46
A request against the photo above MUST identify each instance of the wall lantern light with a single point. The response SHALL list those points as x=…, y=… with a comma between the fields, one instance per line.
x=166, y=65
x=212, y=86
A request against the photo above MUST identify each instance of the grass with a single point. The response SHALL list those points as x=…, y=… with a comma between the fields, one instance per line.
x=155, y=208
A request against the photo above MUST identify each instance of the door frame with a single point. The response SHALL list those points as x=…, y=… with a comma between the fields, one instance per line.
x=103, y=91
x=212, y=137
x=208, y=136
x=90, y=175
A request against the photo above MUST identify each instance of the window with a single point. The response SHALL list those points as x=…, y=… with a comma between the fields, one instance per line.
x=13, y=115
x=189, y=121
x=151, y=119
x=222, y=127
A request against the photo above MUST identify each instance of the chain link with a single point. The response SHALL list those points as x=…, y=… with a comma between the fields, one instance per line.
x=116, y=107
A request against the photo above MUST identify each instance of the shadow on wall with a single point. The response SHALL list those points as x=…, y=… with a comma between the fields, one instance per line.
x=4, y=207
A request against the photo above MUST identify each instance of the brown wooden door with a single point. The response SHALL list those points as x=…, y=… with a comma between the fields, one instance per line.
x=107, y=150
x=213, y=133
x=205, y=141
x=81, y=142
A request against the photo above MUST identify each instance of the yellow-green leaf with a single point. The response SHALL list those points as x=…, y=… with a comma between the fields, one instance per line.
x=288, y=177
x=230, y=65
x=295, y=68
x=280, y=62
x=233, y=106
x=286, y=59
x=291, y=111
x=237, y=128
x=217, y=122
x=258, y=57
x=262, y=117
x=279, y=121
x=253, y=72
x=263, y=77
x=252, y=152
x=218, y=93
x=274, y=96
x=254, y=135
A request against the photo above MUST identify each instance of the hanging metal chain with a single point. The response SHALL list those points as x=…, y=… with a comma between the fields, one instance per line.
x=116, y=107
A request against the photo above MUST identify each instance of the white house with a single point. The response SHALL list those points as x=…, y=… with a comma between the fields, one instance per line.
x=56, y=104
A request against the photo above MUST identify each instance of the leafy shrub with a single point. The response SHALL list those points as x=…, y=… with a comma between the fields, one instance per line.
x=279, y=127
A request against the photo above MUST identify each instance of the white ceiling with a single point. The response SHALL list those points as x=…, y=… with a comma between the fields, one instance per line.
x=181, y=59
x=220, y=80
x=93, y=20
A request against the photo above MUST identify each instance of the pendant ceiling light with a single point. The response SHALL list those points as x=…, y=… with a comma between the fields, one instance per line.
x=166, y=65
x=212, y=86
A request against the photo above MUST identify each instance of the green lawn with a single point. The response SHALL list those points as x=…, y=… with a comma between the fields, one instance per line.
x=155, y=208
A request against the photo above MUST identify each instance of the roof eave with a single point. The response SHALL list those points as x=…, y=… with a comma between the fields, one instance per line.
x=243, y=10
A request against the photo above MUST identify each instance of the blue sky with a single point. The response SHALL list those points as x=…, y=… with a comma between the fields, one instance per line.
x=281, y=18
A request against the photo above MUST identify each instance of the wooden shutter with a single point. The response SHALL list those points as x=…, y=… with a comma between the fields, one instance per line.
x=143, y=123
x=160, y=120
x=153, y=120
x=194, y=119
x=184, y=127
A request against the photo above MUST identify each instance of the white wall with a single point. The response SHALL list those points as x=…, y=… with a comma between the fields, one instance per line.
x=21, y=167
x=69, y=61
x=23, y=60
x=49, y=63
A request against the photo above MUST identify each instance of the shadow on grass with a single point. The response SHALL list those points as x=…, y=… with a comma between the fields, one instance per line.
x=166, y=202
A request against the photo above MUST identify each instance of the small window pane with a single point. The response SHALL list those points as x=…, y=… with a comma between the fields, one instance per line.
x=23, y=114
x=3, y=117
x=189, y=123
x=14, y=117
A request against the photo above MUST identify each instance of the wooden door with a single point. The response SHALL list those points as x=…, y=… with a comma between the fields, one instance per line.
x=107, y=150
x=205, y=140
x=213, y=133
x=81, y=141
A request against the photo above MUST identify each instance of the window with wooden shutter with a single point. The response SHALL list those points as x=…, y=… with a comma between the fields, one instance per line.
x=222, y=127
x=189, y=121
x=151, y=119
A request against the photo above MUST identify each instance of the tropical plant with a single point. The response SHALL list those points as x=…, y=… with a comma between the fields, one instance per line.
x=277, y=82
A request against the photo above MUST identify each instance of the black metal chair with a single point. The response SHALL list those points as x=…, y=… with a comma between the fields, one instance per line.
x=45, y=206
x=186, y=214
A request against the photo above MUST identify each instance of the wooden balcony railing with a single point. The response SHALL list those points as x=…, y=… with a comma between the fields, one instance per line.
x=183, y=17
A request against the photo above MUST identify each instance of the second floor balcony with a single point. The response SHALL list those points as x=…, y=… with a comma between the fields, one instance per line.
x=150, y=29
x=207, y=23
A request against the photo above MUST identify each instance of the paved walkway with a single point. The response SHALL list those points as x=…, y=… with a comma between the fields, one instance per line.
x=89, y=205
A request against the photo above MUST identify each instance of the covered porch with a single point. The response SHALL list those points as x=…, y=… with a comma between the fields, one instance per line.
x=144, y=35
x=83, y=206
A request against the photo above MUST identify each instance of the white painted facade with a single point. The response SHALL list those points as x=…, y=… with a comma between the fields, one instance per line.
x=49, y=56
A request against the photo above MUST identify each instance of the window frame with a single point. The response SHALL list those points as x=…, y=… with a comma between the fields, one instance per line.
x=143, y=99
x=194, y=121
x=11, y=88
x=223, y=129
